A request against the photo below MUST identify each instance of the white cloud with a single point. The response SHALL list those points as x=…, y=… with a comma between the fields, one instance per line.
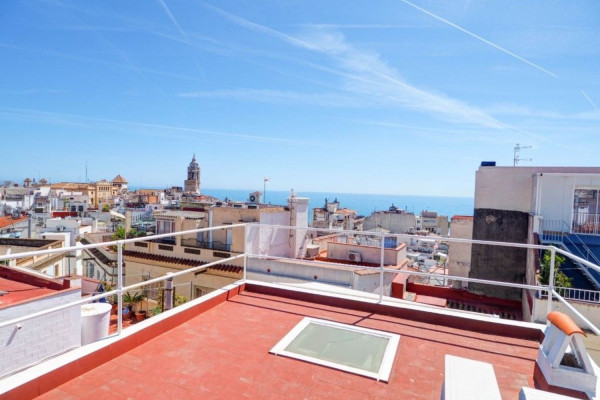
x=365, y=73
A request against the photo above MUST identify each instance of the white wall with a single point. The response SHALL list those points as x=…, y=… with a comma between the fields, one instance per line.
x=459, y=254
x=289, y=271
x=266, y=240
x=588, y=310
x=395, y=223
x=41, y=337
x=504, y=188
x=556, y=199
x=340, y=251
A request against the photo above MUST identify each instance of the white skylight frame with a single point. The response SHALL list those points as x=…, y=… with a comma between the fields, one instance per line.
x=387, y=361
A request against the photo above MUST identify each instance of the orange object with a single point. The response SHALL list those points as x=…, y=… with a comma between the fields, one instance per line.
x=564, y=323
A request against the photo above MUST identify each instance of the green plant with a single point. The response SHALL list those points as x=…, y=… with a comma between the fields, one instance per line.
x=132, y=299
x=177, y=301
x=105, y=208
x=118, y=234
x=560, y=279
x=156, y=310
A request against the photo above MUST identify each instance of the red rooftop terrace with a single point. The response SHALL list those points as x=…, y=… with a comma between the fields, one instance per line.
x=219, y=346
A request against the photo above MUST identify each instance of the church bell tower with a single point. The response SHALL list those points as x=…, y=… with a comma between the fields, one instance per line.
x=192, y=183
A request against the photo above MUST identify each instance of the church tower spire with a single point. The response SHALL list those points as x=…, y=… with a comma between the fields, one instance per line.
x=192, y=183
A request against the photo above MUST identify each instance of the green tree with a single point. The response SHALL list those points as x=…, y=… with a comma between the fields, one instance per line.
x=105, y=208
x=560, y=279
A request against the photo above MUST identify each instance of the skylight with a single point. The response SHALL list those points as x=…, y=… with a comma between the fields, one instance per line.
x=349, y=348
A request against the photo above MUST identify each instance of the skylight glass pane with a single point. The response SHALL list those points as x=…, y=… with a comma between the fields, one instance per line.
x=341, y=346
x=350, y=348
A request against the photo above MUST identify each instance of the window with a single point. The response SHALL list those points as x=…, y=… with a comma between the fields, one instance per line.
x=348, y=348
x=164, y=226
x=200, y=291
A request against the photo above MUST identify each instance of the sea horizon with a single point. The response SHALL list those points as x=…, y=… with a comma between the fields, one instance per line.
x=363, y=204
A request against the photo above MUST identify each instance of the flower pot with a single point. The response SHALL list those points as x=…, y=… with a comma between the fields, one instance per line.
x=113, y=309
x=140, y=315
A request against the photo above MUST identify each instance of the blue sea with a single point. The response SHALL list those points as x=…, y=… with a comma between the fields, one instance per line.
x=364, y=204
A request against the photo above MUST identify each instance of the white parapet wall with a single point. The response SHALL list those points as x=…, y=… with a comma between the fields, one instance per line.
x=37, y=339
x=589, y=310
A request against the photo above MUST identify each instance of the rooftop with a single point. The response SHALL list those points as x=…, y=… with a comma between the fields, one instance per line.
x=221, y=339
x=7, y=221
x=21, y=286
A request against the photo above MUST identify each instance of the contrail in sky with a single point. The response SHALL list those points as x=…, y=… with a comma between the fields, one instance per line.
x=494, y=45
x=172, y=18
x=590, y=100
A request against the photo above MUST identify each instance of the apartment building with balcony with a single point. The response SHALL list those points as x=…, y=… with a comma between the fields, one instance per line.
x=155, y=257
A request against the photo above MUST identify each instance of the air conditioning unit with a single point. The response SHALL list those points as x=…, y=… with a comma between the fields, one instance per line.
x=255, y=198
x=354, y=256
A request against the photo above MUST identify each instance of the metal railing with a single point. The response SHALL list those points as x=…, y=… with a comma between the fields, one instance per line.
x=253, y=251
x=214, y=245
x=585, y=295
x=558, y=231
x=587, y=223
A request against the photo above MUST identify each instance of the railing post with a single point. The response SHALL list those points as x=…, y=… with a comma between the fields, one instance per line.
x=551, y=278
x=120, y=287
x=169, y=292
x=245, y=252
x=381, y=268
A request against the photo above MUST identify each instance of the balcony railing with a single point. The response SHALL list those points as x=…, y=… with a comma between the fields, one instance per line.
x=588, y=296
x=214, y=245
x=586, y=223
x=163, y=240
x=262, y=241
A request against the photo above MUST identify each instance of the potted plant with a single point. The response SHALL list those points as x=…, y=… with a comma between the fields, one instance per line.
x=140, y=315
x=131, y=300
x=112, y=299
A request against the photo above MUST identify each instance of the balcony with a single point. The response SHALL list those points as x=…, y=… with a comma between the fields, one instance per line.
x=214, y=245
x=165, y=240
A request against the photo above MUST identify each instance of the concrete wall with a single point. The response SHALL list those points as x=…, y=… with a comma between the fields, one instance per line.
x=42, y=337
x=273, y=270
x=588, y=310
x=290, y=271
x=340, y=251
x=507, y=264
x=395, y=223
x=504, y=188
x=459, y=254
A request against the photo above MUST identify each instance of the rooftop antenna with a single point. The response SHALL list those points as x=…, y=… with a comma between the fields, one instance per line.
x=516, y=159
x=265, y=180
x=86, y=171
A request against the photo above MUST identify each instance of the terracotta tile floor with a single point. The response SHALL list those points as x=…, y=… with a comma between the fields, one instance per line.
x=223, y=354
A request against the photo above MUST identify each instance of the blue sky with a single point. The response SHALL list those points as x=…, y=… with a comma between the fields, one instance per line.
x=399, y=97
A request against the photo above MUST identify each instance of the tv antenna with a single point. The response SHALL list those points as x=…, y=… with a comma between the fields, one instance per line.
x=517, y=153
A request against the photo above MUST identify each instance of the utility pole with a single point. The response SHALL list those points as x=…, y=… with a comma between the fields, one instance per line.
x=517, y=152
